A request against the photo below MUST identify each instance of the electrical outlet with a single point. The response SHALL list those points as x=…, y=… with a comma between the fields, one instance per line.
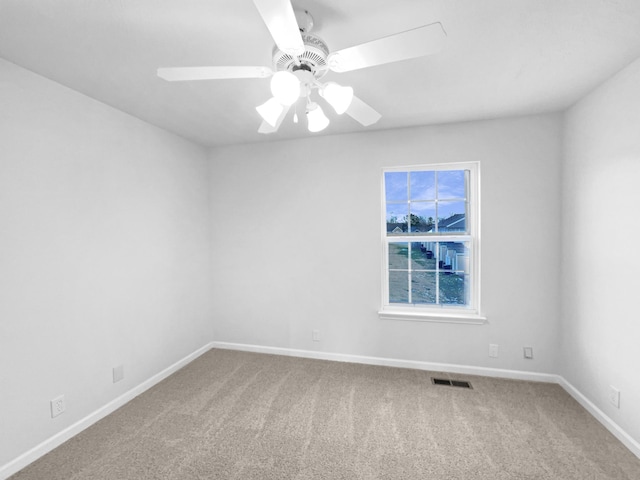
x=493, y=350
x=614, y=396
x=118, y=373
x=315, y=335
x=57, y=406
x=528, y=352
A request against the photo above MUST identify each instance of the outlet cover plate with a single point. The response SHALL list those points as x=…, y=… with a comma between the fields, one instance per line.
x=493, y=350
x=57, y=406
x=528, y=352
x=118, y=373
x=614, y=396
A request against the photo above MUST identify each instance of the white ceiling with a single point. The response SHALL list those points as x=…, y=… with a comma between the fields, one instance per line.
x=501, y=57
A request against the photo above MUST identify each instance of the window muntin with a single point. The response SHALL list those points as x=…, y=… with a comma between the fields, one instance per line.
x=431, y=260
x=426, y=202
x=438, y=273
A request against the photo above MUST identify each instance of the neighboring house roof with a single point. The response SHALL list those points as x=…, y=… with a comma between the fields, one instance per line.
x=396, y=227
x=454, y=222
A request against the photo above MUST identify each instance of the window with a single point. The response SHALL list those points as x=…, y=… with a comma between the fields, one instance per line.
x=431, y=243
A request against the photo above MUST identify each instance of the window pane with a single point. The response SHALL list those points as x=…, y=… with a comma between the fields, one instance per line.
x=398, y=256
x=423, y=287
x=395, y=186
x=422, y=256
x=429, y=271
x=454, y=288
x=454, y=273
x=398, y=287
x=397, y=218
x=423, y=185
x=453, y=256
x=448, y=261
x=451, y=184
x=423, y=216
x=452, y=216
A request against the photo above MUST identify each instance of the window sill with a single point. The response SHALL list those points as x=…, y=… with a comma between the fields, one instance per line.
x=444, y=317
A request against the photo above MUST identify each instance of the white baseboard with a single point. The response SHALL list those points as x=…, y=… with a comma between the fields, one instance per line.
x=59, y=438
x=392, y=362
x=28, y=457
x=599, y=415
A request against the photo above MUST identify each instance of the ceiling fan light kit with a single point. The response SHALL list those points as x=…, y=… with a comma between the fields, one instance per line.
x=270, y=111
x=337, y=96
x=316, y=119
x=301, y=59
x=297, y=76
x=285, y=87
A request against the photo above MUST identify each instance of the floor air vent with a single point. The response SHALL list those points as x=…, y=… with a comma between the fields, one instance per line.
x=450, y=383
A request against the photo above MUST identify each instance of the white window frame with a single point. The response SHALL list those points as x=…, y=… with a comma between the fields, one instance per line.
x=439, y=313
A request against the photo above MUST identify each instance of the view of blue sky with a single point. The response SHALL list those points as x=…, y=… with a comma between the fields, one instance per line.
x=415, y=192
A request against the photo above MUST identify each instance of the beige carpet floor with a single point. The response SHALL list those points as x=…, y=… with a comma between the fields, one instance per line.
x=237, y=415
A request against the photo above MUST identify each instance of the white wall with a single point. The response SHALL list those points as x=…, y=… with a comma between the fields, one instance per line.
x=297, y=244
x=601, y=258
x=108, y=223
x=104, y=254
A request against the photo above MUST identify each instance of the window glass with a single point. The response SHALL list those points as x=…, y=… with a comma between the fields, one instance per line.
x=429, y=236
x=397, y=214
x=423, y=215
x=399, y=256
x=452, y=216
x=451, y=184
x=398, y=287
x=423, y=185
x=453, y=288
x=423, y=288
x=429, y=272
x=395, y=184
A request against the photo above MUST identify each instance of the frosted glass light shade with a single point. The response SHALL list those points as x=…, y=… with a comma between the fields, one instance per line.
x=337, y=96
x=316, y=119
x=270, y=111
x=285, y=87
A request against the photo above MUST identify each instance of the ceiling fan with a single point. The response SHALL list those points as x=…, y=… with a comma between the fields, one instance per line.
x=301, y=59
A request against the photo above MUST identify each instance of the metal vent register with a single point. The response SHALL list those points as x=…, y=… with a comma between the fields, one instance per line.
x=451, y=383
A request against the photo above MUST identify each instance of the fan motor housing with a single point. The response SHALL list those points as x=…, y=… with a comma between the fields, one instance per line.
x=314, y=56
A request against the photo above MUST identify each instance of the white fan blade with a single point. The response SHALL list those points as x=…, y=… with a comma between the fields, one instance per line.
x=414, y=43
x=362, y=112
x=281, y=21
x=266, y=128
x=179, y=74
